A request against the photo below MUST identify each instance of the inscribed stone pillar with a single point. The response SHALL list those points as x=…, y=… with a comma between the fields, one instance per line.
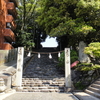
x=67, y=68
x=19, y=66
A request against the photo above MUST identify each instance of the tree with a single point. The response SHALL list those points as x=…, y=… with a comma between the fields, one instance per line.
x=93, y=50
x=29, y=33
x=78, y=19
x=25, y=23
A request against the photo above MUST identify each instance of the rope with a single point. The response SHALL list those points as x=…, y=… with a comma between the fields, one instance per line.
x=47, y=52
x=50, y=56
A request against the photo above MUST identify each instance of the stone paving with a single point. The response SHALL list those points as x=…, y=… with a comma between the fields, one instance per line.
x=43, y=67
x=40, y=96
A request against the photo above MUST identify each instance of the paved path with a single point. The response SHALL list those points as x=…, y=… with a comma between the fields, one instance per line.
x=43, y=67
x=85, y=96
x=40, y=96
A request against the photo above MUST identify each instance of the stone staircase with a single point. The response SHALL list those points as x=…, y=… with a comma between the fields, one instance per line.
x=42, y=75
x=94, y=89
x=42, y=85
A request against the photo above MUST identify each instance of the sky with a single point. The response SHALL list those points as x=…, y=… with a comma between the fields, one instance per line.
x=50, y=42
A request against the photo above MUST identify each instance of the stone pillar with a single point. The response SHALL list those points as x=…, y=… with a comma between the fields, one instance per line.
x=19, y=72
x=67, y=68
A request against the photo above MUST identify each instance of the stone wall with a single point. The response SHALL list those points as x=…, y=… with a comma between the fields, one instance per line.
x=8, y=56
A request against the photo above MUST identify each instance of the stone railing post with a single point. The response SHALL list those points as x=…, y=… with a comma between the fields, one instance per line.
x=67, y=68
x=19, y=72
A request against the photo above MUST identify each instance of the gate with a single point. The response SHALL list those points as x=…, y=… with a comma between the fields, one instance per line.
x=19, y=73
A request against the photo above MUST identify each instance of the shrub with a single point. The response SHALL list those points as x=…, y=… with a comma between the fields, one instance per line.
x=61, y=60
x=79, y=86
x=88, y=72
x=73, y=58
x=93, y=49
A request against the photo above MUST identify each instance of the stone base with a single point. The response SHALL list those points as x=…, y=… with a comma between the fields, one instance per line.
x=67, y=89
x=7, y=80
x=2, y=88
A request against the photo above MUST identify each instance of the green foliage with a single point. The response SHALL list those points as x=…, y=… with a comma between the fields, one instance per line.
x=25, y=40
x=73, y=27
x=93, y=49
x=95, y=67
x=77, y=19
x=73, y=18
x=61, y=60
x=25, y=23
x=86, y=74
x=87, y=67
x=79, y=86
x=73, y=55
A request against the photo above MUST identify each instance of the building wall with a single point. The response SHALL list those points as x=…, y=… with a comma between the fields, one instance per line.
x=2, y=20
x=8, y=56
x=7, y=7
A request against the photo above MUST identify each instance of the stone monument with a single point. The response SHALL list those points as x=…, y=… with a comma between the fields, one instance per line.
x=82, y=56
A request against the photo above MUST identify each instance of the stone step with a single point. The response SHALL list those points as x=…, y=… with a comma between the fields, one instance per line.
x=38, y=89
x=33, y=85
x=94, y=89
x=97, y=82
x=48, y=86
x=50, y=81
x=98, y=79
x=41, y=76
x=92, y=93
x=34, y=79
x=43, y=83
x=84, y=96
x=42, y=90
x=43, y=87
x=95, y=85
